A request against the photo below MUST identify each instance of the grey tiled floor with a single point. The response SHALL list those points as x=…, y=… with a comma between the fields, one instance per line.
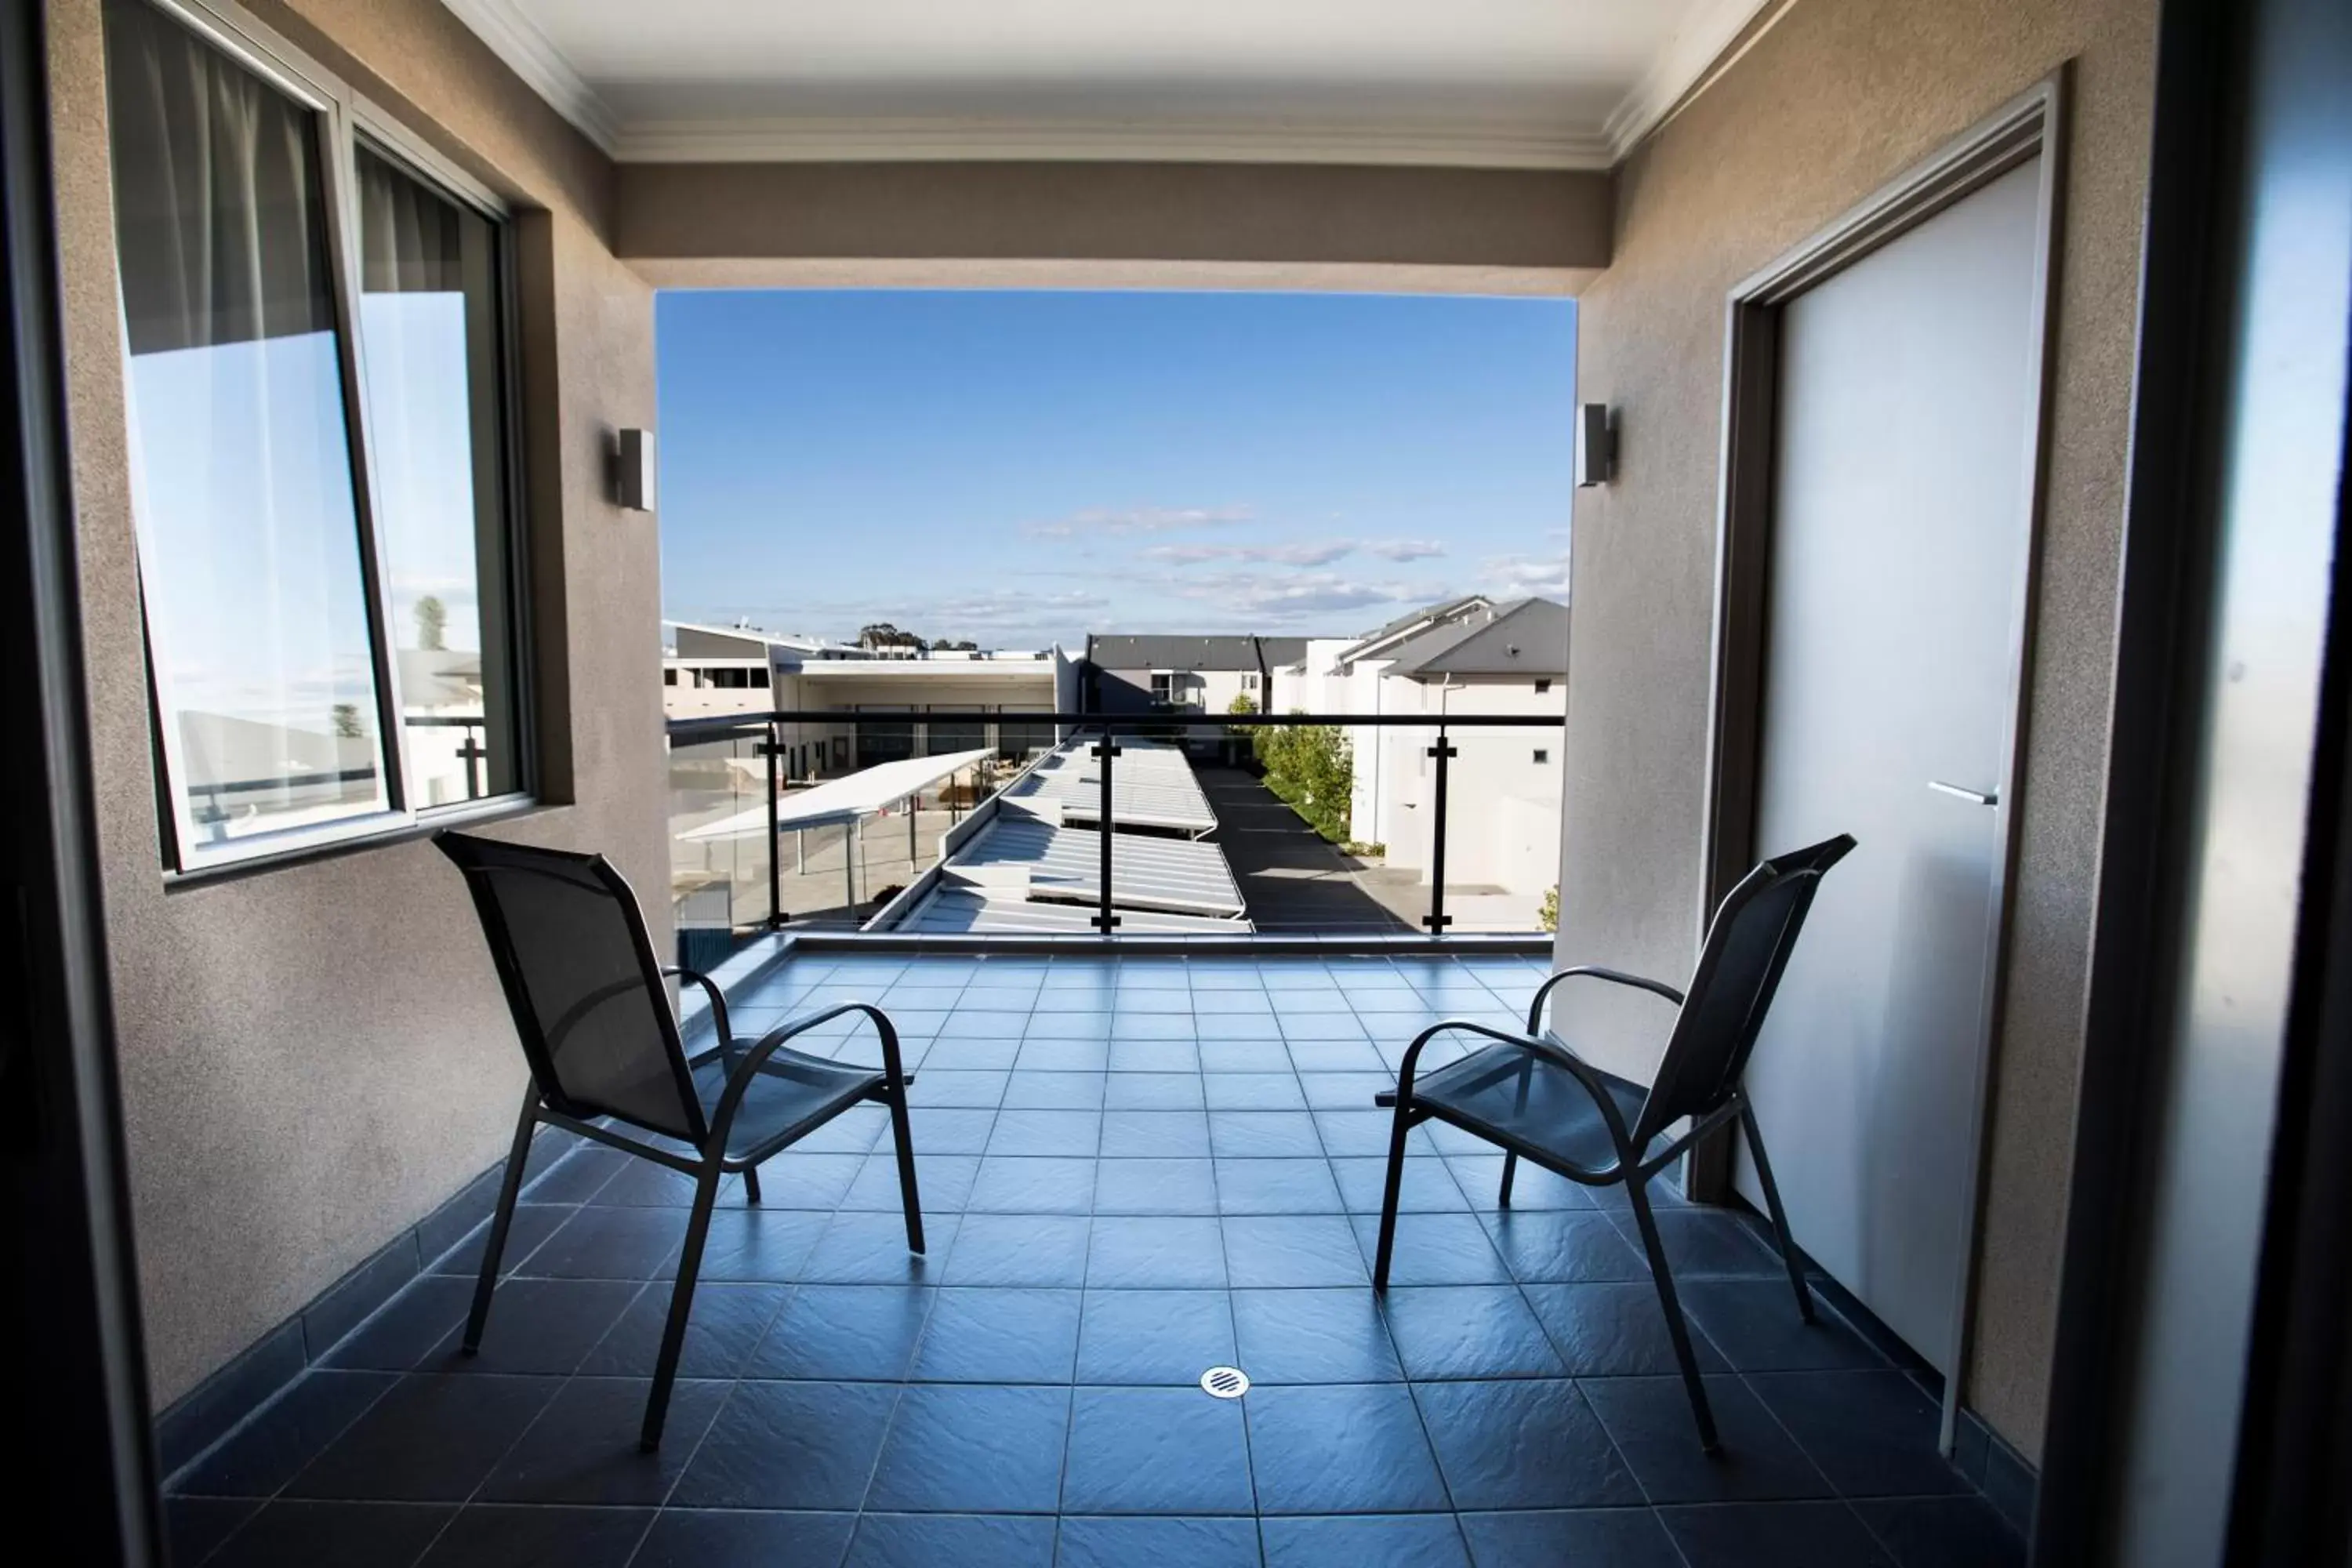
x=1130, y=1172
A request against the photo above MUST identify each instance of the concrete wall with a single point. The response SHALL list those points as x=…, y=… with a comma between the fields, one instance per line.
x=1836, y=99
x=1491, y=838
x=1395, y=797
x=689, y=699
x=314, y=1057
x=918, y=684
x=1215, y=690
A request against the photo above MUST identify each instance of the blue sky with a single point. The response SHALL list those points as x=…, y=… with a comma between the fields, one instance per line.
x=1020, y=468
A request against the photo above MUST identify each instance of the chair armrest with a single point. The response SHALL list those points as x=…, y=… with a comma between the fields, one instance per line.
x=1594, y=971
x=1585, y=1075
x=740, y=1075
x=718, y=1000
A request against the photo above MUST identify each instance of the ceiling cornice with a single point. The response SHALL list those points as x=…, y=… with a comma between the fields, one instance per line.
x=1694, y=48
x=940, y=140
x=516, y=39
x=1689, y=55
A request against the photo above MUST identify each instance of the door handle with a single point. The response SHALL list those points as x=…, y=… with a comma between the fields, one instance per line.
x=1973, y=796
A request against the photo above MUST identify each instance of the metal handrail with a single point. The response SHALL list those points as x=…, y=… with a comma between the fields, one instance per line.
x=764, y=727
x=750, y=723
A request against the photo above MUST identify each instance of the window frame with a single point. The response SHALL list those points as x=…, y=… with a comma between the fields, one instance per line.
x=384, y=136
x=344, y=120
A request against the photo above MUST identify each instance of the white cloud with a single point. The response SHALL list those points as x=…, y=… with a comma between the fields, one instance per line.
x=1012, y=618
x=1119, y=522
x=1519, y=575
x=1314, y=555
x=1292, y=595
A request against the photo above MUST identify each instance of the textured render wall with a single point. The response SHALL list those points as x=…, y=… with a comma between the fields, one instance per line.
x=1838, y=97
x=313, y=1057
x=1110, y=224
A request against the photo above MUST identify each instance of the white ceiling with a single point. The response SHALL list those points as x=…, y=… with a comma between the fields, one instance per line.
x=1502, y=83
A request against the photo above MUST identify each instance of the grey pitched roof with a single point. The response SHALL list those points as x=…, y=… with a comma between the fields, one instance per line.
x=1426, y=613
x=1370, y=644
x=1283, y=650
x=1527, y=637
x=1120, y=651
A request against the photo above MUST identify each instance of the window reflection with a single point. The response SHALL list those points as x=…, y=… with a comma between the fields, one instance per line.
x=258, y=624
x=429, y=332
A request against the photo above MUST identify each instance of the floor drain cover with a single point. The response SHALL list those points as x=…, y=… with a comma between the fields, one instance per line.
x=1226, y=1381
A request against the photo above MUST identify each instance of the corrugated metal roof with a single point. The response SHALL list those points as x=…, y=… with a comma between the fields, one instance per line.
x=1152, y=785
x=1022, y=870
x=964, y=909
x=1179, y=875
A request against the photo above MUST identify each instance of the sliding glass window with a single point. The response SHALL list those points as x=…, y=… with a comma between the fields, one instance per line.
x=430, y=336
x=302, y=642
x=942, y=736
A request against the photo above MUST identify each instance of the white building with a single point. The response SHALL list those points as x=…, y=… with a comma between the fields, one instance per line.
x=1468, y=656
x=1173, y=674
x=714, y=670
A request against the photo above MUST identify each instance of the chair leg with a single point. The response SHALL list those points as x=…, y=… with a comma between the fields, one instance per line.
x=908, y=1196
x=1772, y=1206
x=751, y=1186
x=1510, y=1156
x=494, y=1249
x=681, y=1304
x=1637, y=1194
x=1392, y=1194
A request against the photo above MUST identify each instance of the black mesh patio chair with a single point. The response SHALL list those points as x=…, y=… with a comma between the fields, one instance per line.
x=607, y=1060
x=1538, y=1100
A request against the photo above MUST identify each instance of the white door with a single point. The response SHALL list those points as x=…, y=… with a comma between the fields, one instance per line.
x=1899, y=533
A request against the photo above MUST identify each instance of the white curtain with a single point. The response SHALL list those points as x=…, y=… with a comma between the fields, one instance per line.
x=216, y=192
x=243, y=484
x=410, y=239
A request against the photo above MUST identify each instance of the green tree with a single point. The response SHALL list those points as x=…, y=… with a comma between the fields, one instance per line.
x=347, y=720
x=882, y=634
x=1312, y=767
x=432, y=624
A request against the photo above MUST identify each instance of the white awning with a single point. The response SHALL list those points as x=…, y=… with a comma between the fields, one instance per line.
x=845, y=799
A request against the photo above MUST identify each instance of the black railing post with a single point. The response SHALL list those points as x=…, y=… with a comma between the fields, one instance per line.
x=1105, y=921
x=473, y=752
x=1437, y=919
x=772, y=747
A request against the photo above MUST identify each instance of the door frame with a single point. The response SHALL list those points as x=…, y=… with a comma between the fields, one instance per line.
x=2030, y=125
x=69, y=1290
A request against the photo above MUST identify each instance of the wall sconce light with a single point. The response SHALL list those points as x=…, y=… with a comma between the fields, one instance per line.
x=633, y=469
x=1596, y=445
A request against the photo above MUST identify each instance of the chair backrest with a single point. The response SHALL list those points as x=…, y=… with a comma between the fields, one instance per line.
x=1747, y=946
x=580, y=977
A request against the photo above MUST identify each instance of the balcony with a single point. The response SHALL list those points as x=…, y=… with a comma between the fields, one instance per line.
x=1134, y=1168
